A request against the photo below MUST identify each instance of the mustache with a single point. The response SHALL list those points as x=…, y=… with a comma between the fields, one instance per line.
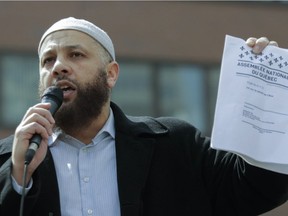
x=64, y=78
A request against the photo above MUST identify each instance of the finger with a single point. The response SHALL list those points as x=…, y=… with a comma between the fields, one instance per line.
x=40, y=115
x=260, y=45
x=21, y=144
x=39, y=119
x=21, y=141
x=251, y=41
x=273, y=43
x=26, y=132
x=42, y=110
x=41, y=152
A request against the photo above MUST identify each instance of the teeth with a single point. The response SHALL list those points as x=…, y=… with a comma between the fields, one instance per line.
x=65, y=88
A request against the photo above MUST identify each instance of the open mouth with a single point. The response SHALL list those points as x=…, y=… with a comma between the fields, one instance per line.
x=67, y=87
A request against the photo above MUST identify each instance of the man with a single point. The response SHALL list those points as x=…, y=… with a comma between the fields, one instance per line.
x=94, y=160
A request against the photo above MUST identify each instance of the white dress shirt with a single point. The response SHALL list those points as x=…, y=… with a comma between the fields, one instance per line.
x=86, y=174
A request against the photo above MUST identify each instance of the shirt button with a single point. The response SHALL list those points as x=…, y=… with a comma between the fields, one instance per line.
x=90, y=211
x=86, y=179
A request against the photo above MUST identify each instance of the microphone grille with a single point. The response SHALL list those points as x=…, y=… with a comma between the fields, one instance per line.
x=54, y=93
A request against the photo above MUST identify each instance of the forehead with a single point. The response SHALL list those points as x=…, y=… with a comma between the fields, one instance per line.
x=66, y=38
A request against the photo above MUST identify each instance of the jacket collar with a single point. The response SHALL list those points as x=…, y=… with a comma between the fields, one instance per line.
x=137, y=126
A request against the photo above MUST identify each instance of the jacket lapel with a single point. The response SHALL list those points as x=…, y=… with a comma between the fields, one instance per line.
x=135, y=141
x=133, y=162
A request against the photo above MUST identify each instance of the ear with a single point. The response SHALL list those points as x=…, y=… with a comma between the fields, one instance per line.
x=112, y=73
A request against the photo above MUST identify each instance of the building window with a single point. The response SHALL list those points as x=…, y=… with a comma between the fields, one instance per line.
x=183, y=94
x=134, y=89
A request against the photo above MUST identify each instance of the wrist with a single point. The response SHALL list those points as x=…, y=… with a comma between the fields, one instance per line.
x=18, y=172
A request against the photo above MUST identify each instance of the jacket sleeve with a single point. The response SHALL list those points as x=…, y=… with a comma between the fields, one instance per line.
x=9, y=198
x=233, y=187
x=230, y=181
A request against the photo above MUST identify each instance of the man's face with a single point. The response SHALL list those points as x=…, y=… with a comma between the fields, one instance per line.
x=71, y=60
x=71, y=54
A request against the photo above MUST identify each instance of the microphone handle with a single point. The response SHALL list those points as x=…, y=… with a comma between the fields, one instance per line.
x=33, y=146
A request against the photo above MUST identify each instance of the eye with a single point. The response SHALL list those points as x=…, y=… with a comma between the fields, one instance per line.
x=76, y=54
x=48, y=60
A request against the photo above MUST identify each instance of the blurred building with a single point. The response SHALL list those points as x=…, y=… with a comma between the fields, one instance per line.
x=169, y=52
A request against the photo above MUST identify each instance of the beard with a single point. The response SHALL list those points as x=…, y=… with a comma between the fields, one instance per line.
x=86, y=107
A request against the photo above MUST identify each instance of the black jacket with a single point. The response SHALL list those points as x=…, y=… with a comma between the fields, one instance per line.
x=164, y=168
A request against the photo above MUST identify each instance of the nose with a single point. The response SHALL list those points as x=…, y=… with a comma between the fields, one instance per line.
x=60, y=68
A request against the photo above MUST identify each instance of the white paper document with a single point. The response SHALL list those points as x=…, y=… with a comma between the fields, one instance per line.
x=251, y=116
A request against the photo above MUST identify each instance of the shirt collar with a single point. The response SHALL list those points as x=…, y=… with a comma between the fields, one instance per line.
x=108, y=127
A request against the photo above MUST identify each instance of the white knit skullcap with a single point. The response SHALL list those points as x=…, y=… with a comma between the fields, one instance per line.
x=83, y=26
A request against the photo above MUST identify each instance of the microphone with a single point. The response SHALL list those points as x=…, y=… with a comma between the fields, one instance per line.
x=54, y=96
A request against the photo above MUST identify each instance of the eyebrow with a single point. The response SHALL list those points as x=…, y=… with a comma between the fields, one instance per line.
x=66, y=47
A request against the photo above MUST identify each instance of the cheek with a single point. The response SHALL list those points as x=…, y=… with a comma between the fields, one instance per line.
x=45, y=79
x=84, y=76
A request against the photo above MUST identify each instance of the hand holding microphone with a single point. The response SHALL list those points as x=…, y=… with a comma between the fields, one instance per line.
x=35, y=128
x=54, y=96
